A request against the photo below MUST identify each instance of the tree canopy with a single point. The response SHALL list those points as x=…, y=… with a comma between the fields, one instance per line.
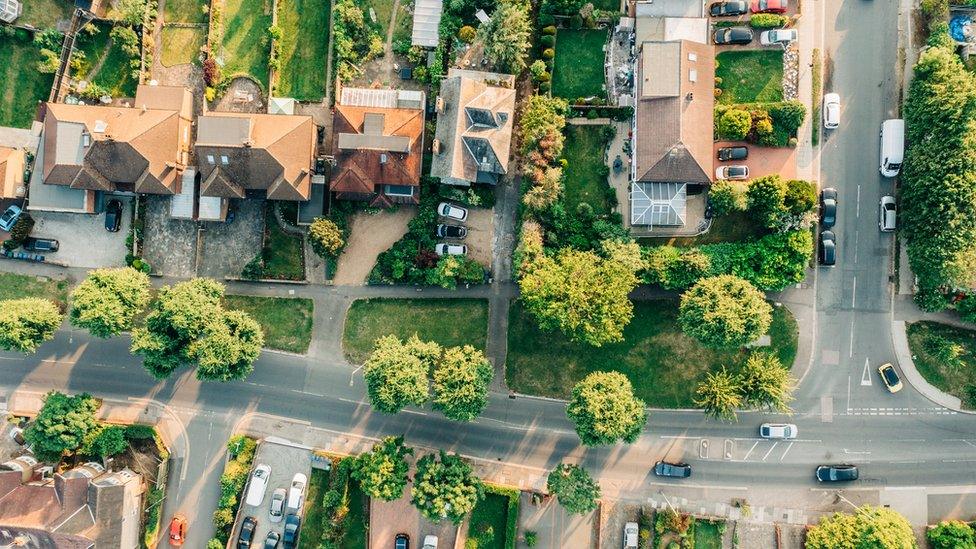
x=382, y=472
x=461, y=382
x=574, y=488
x=62, y=425
x=604, y=410
x=951, y=534
x=109, y=441
x=507, y=36
x=445, y=488
x=766, y=383
x=719, y=394
x=724, y=311
x=27, y=323
x=396, y=373
x=108, y=299
x=874, y=527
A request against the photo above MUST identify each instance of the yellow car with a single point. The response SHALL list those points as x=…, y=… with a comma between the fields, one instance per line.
x=890, y=377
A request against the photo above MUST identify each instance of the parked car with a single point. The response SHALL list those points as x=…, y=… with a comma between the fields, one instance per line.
x=177, y=530
x=778, y=37
x=247, y=532
x=831, y=110
x=734, y=172
x=271, y=542
x=451, y=231
x=828, y=207
x=730, y=7
x=49, y=245
x=401, y=541
x=673, y=470
x=890, y=377
x=454, y=212
x=113, y=216
x=778, y=430
x=259, y=484
x=887, y=216
x=430, y=542
x=733, y=153
x=630, y=535
x=836, y=473
x=828, y=248
x=769, y=6
x=296, y=494
x=732, y=35
x=443, y=248
x=9, y=217
x=292, y=524
x=277, y=504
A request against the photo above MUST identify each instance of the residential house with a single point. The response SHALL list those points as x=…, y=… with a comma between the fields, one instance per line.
x=88, y=150
x=672, y=131
x=475, y=112
x=81, y=508
x=11, y=172
x=379, y=135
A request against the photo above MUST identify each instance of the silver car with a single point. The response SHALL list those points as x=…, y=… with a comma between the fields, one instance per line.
x=887, y=215
x=277, y=504
x=778, y=431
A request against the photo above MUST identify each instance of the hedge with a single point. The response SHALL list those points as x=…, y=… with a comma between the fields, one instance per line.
x=786, y=118
x=511, y=517
x=232, y=483
x=768, y=21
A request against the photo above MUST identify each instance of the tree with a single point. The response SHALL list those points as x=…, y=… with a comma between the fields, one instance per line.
x=461, y=383
x=107, y=301
x=801, y=196
x=228, y=350
x=132, y=12
x=574, y=488
x=110, y=441
x=62, y=425
x=27, y=323
x=951, y=534
x=734, y=124
x=382, y=472
x=726, y=197
x=604, y=410
x=543, y=118
x=547, y=187
x=395, y=376
x=126, y=39
x=326, y=237
x=766, y=198
x=724, y=312
x=507, y=36
x=719, y=395
x=581, y=294
x=766, y=383
x=874, y=527
x=445, y=488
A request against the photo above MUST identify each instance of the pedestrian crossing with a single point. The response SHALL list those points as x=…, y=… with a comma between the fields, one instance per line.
x=901, y=411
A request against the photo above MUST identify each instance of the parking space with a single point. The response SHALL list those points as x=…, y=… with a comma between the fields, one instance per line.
x=763, y=160
x=743, y=21
x=83, y=240
x=389, y=518
x=556, y=528
x=481, y=232
x=285, y=460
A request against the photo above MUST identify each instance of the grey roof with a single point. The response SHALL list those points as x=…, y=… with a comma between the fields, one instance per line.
x=58, y=198
x=69, y=148
x=181, y=205
x=223, y=130
x=658, y=204
x=480, y=117
x=426, y=22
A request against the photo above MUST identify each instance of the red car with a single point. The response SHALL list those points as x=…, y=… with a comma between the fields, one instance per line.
x=177, y=530
x=768, y=6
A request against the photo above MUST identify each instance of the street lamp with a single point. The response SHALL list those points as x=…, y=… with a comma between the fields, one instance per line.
x=668, y=501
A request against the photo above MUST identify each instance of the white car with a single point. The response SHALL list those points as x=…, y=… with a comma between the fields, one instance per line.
x=831, y=111
x=297, y=491
x=277, y=504
x=444, y=248
x=735, y=173
x=430, y=542
x=778, y=430
x=630, y=535
x=887, y=214
x=451, y=211
x=259, y=484
x=778, y=37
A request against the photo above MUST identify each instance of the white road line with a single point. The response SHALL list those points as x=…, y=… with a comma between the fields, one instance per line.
x=848, y=393
x=679, y=437
x=770, y=451
x=857, y=210
x=414, y=412
x=958, y=460
x=866, y=376
x=970, y=443
x=853, y=295
x=856, y=233
x=850, y=352
x=786, y=452
x=750, y=451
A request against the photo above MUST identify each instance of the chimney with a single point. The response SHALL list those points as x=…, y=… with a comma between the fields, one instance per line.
x=435, y=146
x=689, y=96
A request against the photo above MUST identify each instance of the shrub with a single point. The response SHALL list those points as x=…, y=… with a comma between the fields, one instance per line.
x=548, y=53
x=546, y=20
x=138, y=431
x=550, y=30
x=768, y=21
x=467, y=34
x=576, y=22
x=326, y=237
x=726, y=197
x=547, y=41
x=735, y=124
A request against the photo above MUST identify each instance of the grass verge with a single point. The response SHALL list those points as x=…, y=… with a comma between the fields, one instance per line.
x=16, y=286
x=946, y=357
x=585, y=178
x=494, y=520
x=817, y=83
x=21, y=85
x=662, y=363
x=450, y=322
x=286, y=322
x=304, y=48
x=579, y=63
x=750, y=76
x=246, y=44
x=181, y=45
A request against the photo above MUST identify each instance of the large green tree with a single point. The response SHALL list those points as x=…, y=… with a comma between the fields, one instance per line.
x=868, y=527
x=604, y=410
x=108, y=299
x=27, y=323
x=951, y=534
x=766, y=383
x=543, y=118
x=719, y=394
x=395, y=376
x=724, y=311
x=574, y=488
x=107, y=442
x=62, y=425
x=507, y=36
x=461, y=382
x=382, y=472
x=444, y=487
x=766, y=200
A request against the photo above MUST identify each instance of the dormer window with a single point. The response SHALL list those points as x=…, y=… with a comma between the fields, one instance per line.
x=224, y=160
x=210, y=159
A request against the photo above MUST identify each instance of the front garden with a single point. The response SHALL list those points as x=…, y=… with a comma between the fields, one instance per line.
x=494, y=520
x=579, y=64
x=22, y=86
x=303, y=48
x=749, y=76
x=585, y=176
x=282, y=256
x=946, y=357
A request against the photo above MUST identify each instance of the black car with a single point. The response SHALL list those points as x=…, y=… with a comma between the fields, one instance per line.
x=271, y=542
x=292, y=524
x=828, y=207
x=247, y=532
x=732, y=7
x=733, y=35
x=828, y=248
x=113, y=216
x=673, y=470
x=837, y=473
x=451, y=231
x=733, y=153
x=401, y=541
x=32, y=244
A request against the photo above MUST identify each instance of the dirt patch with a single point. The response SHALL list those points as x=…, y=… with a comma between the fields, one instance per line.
x=243, y=95
x=613, y=516
x=481, y=232
x=370, y=235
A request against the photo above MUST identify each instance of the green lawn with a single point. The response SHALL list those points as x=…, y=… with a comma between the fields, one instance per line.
x=45, y=14
x=489, y=520
x=750, y=76
x=286, y=322
x=182, y=45
x=946, y=357
x=284, y=254
x=185, y=11
x=663, y=363
x=585, y=179
x=734, y=227
x=246, y=44
x=304, y=48
x=578, y=70
x=15, y=286
x=707, y=535
x=357, y=519
x=21, y=86
x=314, y=511
x=105, y=63
x=450, y=322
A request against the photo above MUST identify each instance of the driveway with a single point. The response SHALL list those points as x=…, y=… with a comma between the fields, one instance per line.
x=285, y=459
x=555, y=527
x=481, y=232
x=83, y=240
x=763, y=160
x=389, y=518
x=370, y=234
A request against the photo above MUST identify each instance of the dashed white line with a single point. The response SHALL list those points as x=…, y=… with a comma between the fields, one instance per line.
x=750, y=450
x=786, y=452
x=770, y=451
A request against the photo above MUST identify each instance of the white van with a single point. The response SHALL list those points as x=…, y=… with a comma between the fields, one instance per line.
x=892, y=146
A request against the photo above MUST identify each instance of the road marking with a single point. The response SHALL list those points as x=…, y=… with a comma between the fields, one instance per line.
x=866, y=374
x=958, y=460
x=826, y=409
x=857, y=210
x=970, y=443
x=853, y=295
x=679, y=437
x=856, y=233
x=850, y=352
x=856, y=453
x=848, y=393
x=414, y=412
x=703, y=449
x=750, y=451
x=729, y=446
x=786, y=451
x=775, y=444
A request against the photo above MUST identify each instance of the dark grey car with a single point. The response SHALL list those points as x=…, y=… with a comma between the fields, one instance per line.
x=292, y=524
x=673, y=470
x=828, y=207
x=48, y=245
x=837, y=473
x=730, y=7
x=451, y=231
x=733, y=153
x=828, y=248
x=733, y=35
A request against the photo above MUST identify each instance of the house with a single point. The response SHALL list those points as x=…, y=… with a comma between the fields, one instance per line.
x=81, y=508
x=378, y=140
x=11, y=172
x=87, y=150
x=266, y=155
x=10, y=10
x=475, y=112
x=672, y=130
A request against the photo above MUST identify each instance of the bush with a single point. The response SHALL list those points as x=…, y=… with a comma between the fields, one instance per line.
x=734, y=124
x=467, y=34
x=547, y=41
x=548, y=53
x=726, y=197
x=546, y=20
x=550, y=30
x=137, y=431
x=768, y=21
x=326, y=237
x=576, y=22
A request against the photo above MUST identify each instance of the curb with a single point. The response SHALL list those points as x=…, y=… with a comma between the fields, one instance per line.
x=903, y=354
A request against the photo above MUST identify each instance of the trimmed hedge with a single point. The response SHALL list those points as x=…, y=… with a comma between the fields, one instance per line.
x=773, y=124
x=768, y=21
x=232, y=483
